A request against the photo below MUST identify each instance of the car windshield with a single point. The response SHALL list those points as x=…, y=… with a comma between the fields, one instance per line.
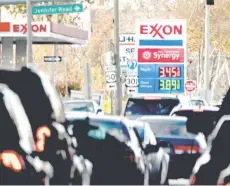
x=166, y=127
x=79, y=106
x=150, y=107
x=197, y=102
x=115, y=128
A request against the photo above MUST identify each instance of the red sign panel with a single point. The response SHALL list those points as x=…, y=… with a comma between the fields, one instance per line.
x=190, y=86
x=163, y=55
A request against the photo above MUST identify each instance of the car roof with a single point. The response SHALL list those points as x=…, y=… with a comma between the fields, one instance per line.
x=78, y=101
x=164, y=96
x=164, y=118
x=83, y=115
x=205, y=108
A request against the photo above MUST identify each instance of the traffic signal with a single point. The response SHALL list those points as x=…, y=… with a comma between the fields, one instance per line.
x=210, y=2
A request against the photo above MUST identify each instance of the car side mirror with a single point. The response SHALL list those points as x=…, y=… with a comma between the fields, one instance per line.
x=99, y=111
x=151, y=149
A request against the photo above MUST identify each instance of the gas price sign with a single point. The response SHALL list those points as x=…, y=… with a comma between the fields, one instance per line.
x=169, y=78
x=161, y=78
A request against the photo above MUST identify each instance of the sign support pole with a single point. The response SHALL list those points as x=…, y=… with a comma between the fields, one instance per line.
x=88, y=82
x=29, y=33
x=117, y=58
x=207, y=46
x=66, y=80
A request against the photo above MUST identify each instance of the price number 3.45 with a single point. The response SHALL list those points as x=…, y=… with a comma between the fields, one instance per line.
x=131, y=81
x=169, y=84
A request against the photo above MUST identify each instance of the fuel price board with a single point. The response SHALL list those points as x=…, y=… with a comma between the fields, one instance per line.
x=161, y=78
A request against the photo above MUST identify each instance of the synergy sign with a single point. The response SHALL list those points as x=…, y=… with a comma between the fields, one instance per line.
x=161, y=53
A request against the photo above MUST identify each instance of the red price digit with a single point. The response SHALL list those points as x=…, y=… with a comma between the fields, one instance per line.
x=168, y=71
x=178, y=72
x=174, y=72
x=162, y=72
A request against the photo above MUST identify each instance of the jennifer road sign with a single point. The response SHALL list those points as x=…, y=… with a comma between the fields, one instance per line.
x=57, y=9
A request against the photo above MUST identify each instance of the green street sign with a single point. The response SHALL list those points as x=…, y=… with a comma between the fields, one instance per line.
x=57, y=9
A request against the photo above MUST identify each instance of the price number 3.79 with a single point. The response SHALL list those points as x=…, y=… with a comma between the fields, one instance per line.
x=169, y=84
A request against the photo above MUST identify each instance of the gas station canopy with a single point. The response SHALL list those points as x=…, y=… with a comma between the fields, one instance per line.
x=44, y=33
x=5, y=2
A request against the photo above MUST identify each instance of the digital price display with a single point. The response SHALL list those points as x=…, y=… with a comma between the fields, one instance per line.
x=170, y=78
x=169, y=84
x=174, y=72
x=161, y=78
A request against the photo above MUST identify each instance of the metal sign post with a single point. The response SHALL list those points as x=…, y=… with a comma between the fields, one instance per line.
x=88, y=81
x=207, y=46
x=117, y=58
x=29, y=33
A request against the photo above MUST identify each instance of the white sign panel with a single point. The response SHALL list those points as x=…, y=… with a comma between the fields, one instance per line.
x=127, y=38
x=131, y=81
x=165, y=29
x=110, y=77
x=110, y=68
x=131, y=90
x=127, y=48
x=111, y=86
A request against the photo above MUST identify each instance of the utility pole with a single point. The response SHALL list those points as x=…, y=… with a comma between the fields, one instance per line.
x=1, y=44
x=87, y=66
x=207, y=48
x=88, y=81
x=117, y=59
x=29, y=54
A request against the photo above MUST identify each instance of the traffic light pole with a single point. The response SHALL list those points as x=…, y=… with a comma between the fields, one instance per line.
x=207, y=49
x=117, y=59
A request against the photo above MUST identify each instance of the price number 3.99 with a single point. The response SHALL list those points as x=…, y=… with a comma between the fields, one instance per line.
x=169, y=84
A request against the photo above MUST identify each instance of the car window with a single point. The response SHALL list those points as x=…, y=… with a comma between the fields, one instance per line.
x=141, y=132
x=168, y=127
x=133, y=137
x=79, y=106
x=197, y=103
x=117, y=129
x=150, y=107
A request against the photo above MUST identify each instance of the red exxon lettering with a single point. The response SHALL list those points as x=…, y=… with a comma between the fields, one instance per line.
x=160, y=30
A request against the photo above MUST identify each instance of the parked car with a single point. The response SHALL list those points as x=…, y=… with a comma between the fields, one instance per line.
x=110, y=145
x=182, y=146
x=45, y=112
x=146, y=105
x=155, y=153
x=82, y=106
x=17, y=143
x=212, y=167
x=202, y=119
x=199, y=102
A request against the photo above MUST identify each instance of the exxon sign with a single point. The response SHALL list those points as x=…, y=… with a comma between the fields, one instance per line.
x=161, y=29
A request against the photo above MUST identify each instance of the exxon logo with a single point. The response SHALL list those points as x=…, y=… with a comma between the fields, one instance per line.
x=159, y=30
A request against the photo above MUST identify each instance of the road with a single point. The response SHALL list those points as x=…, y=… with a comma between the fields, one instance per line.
x=179, y=182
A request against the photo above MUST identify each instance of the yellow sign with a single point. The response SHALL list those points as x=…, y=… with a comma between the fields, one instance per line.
x=107, y=106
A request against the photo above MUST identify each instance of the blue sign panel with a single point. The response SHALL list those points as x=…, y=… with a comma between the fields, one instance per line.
x=161, y=78
x=146, y=86
x=146, y=71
